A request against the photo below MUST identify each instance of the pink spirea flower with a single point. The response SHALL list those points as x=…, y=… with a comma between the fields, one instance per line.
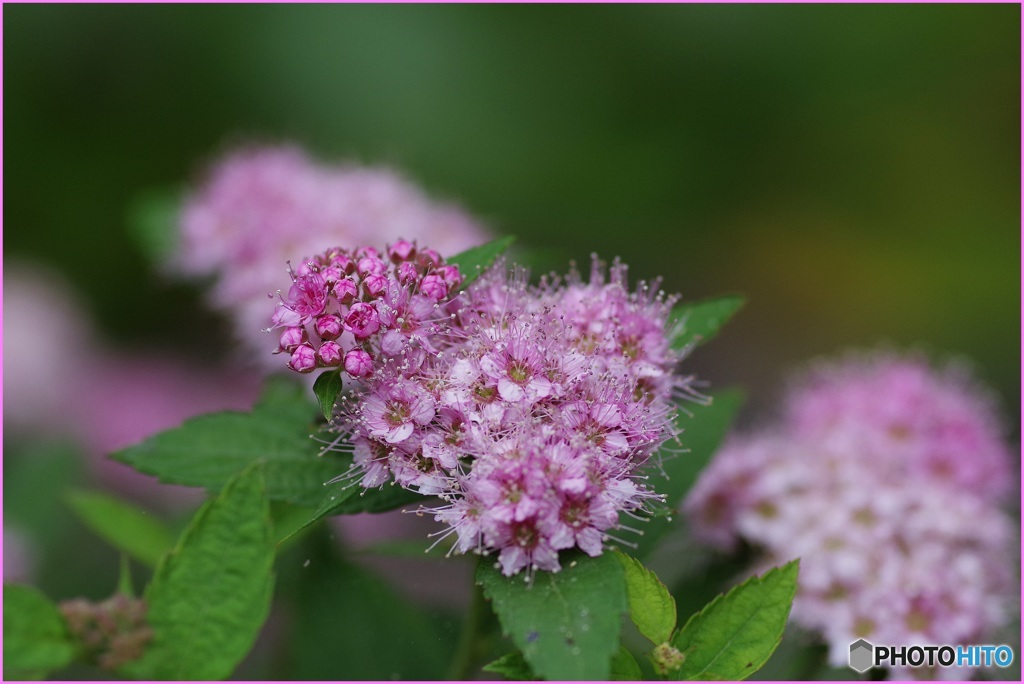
x=530, y=418
x=893, y=548
x=260, y=206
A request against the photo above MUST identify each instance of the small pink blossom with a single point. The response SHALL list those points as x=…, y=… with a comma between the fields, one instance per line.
x=362, y=320
x=394, y=412
x=308, y=296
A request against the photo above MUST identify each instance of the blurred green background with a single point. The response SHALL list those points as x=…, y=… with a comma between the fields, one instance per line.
x=853, y=170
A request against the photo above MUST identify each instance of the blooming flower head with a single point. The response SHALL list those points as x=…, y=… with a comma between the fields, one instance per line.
x=892, y=549
x=529, y=410
x=261, y=206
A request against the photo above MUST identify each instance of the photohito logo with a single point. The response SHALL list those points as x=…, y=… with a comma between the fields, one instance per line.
x=864, y=655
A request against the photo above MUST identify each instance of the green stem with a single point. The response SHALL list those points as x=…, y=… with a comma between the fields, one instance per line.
x=465, y=651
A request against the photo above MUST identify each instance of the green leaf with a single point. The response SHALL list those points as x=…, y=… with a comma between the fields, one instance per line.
x=475, y=261
x=123, y=526
x=703, y=432
x=36, y=641
x=697, y=323
x=153, y=222
x=208, y=450
x=511, y=666
x=651, y=607
x=350, y=624
x=624, y=667
x=736, y=633
x=565, y=623
x=211, y=594
x=347, y=498
x=327, y=387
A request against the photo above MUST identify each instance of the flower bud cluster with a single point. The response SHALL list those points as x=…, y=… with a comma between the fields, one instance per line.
x=531, y=412
x=112, y=632
x=885, y=479
x=358, y=309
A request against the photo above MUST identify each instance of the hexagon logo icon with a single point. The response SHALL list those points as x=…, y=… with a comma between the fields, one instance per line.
x=862, y=655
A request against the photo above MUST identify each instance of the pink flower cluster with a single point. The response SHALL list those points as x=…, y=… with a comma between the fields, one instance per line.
x=261, y=206
x=885, y=478
x=359, y=309
x=529, y=410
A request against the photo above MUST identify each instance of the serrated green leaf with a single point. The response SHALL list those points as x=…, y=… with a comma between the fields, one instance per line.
x=697, y=323
x=211, y=594
x=566, y=624
x=208, y=450
x=511, y=666
x=734, y=635
x=123, y=526
x=36, y=641
x=475, y=261
x=651, y=606
x=704, y=428
x=327, y=387
x=152, y=222
x=624, y=667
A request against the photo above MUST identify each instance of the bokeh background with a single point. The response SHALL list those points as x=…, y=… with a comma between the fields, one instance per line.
x=853, y=170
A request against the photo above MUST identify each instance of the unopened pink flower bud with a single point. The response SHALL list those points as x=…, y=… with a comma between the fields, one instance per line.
x=362, y=320
x=407, y=272
x=346, y=290
x=428, y=257
x=375, y=285
x=433, y=286
x=344, y=263
x=358, y=363
x=328, y=326
x=331, y=274
x=451, y=275
x=329, y=353
x=402, y=250
x=303, y=359
x=367, y=251
x=292, y=337
x=368, y=265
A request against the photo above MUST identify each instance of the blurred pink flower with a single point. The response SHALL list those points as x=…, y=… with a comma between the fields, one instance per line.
x=893, y=548
x=19, y=559
x=48, y=340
